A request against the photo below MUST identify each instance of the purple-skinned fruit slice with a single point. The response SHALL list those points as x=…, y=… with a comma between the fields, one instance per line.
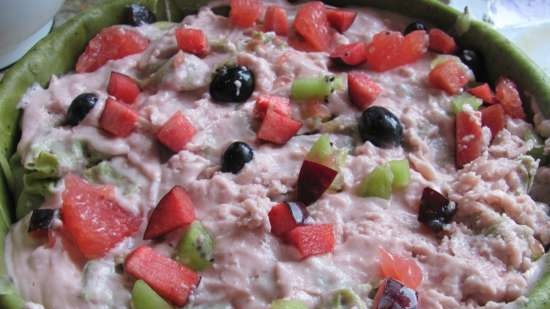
x=313, y=181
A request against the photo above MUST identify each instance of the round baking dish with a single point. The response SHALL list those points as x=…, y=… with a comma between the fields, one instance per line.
x=57, y=54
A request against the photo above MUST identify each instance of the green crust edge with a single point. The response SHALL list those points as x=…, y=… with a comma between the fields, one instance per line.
x=57, y=53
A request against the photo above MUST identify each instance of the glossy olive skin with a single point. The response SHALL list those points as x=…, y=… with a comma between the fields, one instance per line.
x=232, y=83
x=80, y=107
x=380, y=127
x=138, y=15
x=414, y=26
x=41, y=219
x=236, y=156
x=474, y=61
x=435, y=210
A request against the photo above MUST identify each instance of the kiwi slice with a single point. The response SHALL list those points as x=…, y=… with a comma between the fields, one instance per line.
x=196, y=248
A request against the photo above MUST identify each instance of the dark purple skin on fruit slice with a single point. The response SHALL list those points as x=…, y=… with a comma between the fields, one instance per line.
x=298, y=211
x=41, y=219
x=313, y=181
x=392, y=294
x=435, y=209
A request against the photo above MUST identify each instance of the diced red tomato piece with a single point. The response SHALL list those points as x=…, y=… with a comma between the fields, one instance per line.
x=389, y=49
x=469, y=141
x=280, y=105
x=312, y=239
x=244, y=13
x=276, y=20
x=176, y=132
x=175, y=210
x=111, y=43
x=448, y=76
x=362, y=90
x=441, y=42
x=281, y=219
x=312, y=24
x=399, y=268
x=414, y=47
x=277, y=128
x=493, y=117
x=507, y=95
x=93, y=218
x=192, y=41
x=341, y=20
x=350, y=54
x=170, y=279
x=123, y=87
x=118, y=118
x=483, y=92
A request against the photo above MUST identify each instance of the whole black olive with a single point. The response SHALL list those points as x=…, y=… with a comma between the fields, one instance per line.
x=232, y=83
x=80, y=107
x=138, y=15
x=41, y=219
x=380, y=127
x=474, y=61
x=236, y=156
x=417, y=25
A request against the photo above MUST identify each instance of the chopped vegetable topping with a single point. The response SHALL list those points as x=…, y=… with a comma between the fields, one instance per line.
x=378, y=183
x=232, y=83
x=176, y=132
x=403, y=269
x=435, y=209
x=381, y=127
x=449, y=76
x=284, y=217
x=474, y=61
x=362, y=90
x=494, y=118
x=280, y=105
x=507, y=94
x=80, y=107
x=123, y=87
x=196, y=248
x=41, y=219
x=170, y=279
x=118, y=118
x=276, y=20
x=245, y=13
x=350, y=54
x=458, y=102
x=401, y=173
x=192, y=41
x=175, y=210
x=392, y=294
x=312, y=239
x=469, y=140
x=143, y=297
x=314, y=88
x=277, y=129
x=415, y=26
x=138, y=15
x=442, y=42
x=483, y=92
x=312, y=24
x=236, y=156
x=389, y=49
x=341, y=20
x=314, y=179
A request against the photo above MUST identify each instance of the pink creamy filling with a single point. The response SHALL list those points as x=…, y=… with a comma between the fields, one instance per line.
x=485, y=258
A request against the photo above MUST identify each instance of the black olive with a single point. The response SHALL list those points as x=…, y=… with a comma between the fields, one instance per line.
x=80, y=107
x=138, y=15
x=435, y=209
x=41, y=219
x=417, y=25
x=222, y=10
x=474, y=61
x=232, y=83
x=298, y=211
x=380, y=127
x=236, y=156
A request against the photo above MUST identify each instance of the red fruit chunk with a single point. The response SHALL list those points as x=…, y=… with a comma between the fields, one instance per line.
x=350, y=54
x=111, y=43
x=312, y=24
x=192, y=41
x=400, y=268
x=483, y=92
x=341, y=20
x=276, y=20
x=313, y=181
x=389, y=49
x=315, y=109
x=168, y=278
x=176, y=132
x=281, y=219
x=118, y=119
x=507, y=95
x=123, y=87
x=448, y=76
x=469, y=141
x=280, y=105
x=93, y=218
x=312, y=239
x=392, y=294
x=362, y=90
x=244, y=13
x=175, y=210
x=277, y=128
x=441, y=42
x=493, y=117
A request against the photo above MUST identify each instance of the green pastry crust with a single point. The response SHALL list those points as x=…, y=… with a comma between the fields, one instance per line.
x=57, y=54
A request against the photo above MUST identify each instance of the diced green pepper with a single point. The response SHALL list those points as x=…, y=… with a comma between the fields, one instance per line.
x=196, y=247
x=321, y=151
x=458, y=102
x=144, y=297
x=377, y=183
x=401, y=173
x=315, y=88
x=288, y=304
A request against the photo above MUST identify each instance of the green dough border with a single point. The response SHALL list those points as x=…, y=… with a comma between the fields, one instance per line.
x=57, y=53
